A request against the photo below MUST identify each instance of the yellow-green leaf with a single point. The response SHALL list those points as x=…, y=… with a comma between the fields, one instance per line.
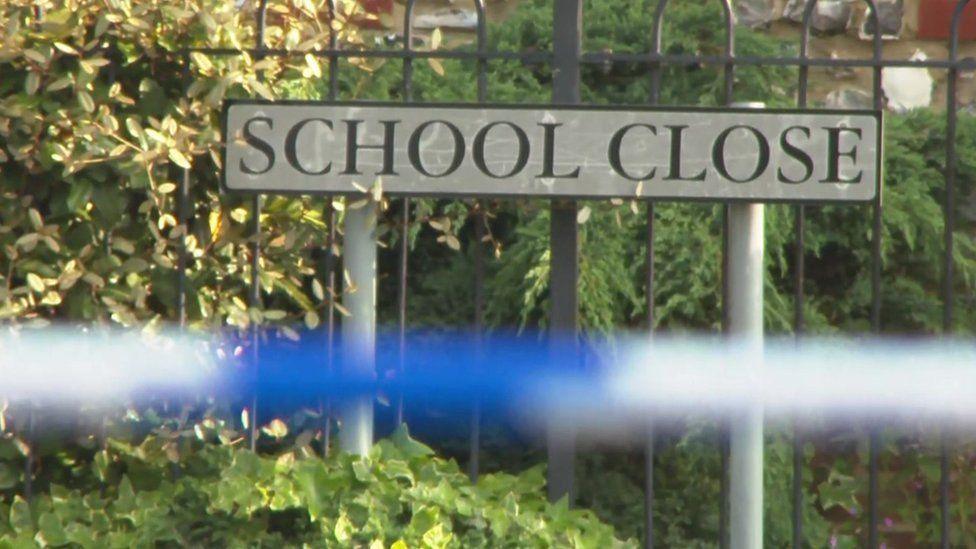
x=32, y=83
x=277, y=429
x=179, y=159
x=311, y=320
x=86, y=101
x=436, y=65
x=35, y=282
x=583, y=215
x=65, y=48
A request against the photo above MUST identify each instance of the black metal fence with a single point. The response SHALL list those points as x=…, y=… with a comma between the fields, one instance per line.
x=566, y=59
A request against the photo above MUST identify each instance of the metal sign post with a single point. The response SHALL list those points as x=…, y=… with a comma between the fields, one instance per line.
x=746, y=270
x=359, y=328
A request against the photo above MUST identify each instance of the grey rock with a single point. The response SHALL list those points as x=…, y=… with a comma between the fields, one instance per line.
x=828, y=17
x=840, y=72
x=890, y=15
x=452, y=18
x=848, y=98
x=754, y=13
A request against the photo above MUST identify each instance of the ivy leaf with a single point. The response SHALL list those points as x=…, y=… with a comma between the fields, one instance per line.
x=50, y=530
x=20, y=515
x=410, y=447
x=343, y=529
x=8, y=478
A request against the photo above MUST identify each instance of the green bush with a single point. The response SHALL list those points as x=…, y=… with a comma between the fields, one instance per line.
x=172, y=489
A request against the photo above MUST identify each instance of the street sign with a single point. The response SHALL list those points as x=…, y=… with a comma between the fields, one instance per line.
x=549, y=151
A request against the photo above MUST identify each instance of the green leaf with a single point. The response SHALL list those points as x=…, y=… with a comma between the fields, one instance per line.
x=110, y=203
x=35, y=282
x=78, y=194
x=394, y=469
x=276, y=428
x=361, y=470
x=135, y=265
x=126, y=500
x=32, y=83
x=86, y=101
x=50, y=530
x=343, y=529
x=8, y=476
x=410, y=447
x=20, y=515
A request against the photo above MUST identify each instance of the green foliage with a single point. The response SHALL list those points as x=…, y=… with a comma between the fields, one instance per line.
x=173, y=489
x=96, y=126
x=95, y=131
x=99, y=116
x=688, y=236
x=687, y=492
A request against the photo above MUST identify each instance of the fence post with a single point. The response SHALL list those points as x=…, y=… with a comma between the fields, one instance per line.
x=567, y=28
x=359, y=328
x=745, y=275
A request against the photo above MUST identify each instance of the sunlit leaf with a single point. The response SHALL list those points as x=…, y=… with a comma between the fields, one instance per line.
x=436, y=65
x=179, y=159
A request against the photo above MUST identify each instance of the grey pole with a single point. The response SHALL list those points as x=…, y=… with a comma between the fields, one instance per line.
x=358, y=345
x=746, y=269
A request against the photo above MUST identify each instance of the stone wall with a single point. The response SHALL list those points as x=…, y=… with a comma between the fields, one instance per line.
x=843, y=34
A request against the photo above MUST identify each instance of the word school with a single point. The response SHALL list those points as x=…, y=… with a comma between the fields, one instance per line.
x=549, y=151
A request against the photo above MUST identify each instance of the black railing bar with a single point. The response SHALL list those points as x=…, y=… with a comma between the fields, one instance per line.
x=184, y=214
x=649, y=449
x=528, y=57
x=799, y=274
x=597, y=58
x=944, y=491
x=404, y=255
x=729, y=62
x=654, y=98
x=948, y=310
x=329, y=215
x=480, y=221
x=591, y=58
x=874, y=441
x=474, y=437
x=255, y=289
x=950, y=167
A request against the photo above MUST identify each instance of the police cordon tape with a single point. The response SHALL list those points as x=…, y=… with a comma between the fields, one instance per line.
x=624, y=379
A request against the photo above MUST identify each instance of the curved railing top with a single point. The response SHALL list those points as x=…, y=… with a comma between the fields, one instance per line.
x=658, y=26
x=954, y=29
